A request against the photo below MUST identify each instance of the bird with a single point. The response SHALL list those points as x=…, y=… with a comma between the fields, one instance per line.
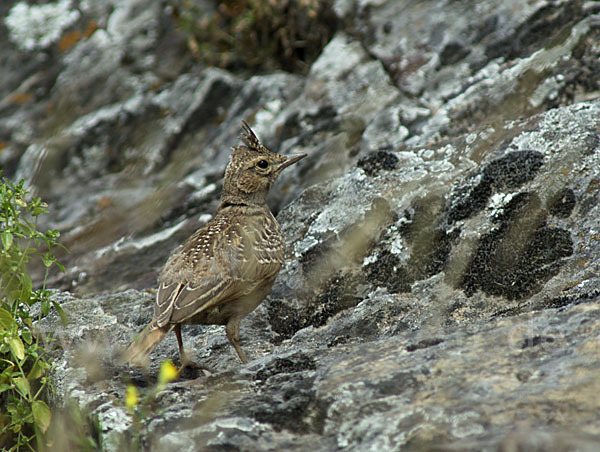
x=225, y=269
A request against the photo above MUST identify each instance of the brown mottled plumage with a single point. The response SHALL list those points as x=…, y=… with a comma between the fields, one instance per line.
x=225, y=269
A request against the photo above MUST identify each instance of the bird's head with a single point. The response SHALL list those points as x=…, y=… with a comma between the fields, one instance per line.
x=252, y=170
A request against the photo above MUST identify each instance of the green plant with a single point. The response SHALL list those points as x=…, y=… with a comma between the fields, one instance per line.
x=74, y=429
x=143, y=408
x=24, y=362
x=257, y=34
x=138, y=408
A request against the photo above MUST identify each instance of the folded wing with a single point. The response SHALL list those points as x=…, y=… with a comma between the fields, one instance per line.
x=224, y=261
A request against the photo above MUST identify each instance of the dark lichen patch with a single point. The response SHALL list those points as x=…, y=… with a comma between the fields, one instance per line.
x=285, y=320
x=430, y=248
x=517, y=258
x=340, y=340
x=378, y=161
x=298, y=362
x=333, y=266
x=425, y=343
x=566, y=300
x=562, y=203
x=536, y=32
x=513, y=170
x=396, y=384
x=429, y=258
x=548, y=245
x=387, y=271
x=468, y=198
x=430, y=244
x=332, y=272
x=523, y=376
x=314, y=256
x=580, y=77
x=287, y=401
x=558, y=302
x=286, y=398
x=339, y=293
x=506, y=173
x=307, y=128
x=346, y=250
x=534, y=341
x=453, y=52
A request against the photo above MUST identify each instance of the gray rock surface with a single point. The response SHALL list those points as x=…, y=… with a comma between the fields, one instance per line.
x=441, y=287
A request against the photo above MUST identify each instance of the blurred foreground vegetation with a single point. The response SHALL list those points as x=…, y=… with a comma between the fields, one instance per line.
x=256, y=34
x=24, y=358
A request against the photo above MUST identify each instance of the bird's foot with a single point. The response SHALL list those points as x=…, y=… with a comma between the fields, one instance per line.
x=191, y=365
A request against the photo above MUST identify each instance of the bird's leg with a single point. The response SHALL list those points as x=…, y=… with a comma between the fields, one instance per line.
x=233, y=334
x=182, y=355
x=185, y=361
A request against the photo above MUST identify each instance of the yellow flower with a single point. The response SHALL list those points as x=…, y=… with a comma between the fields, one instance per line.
x=168, y=372
x=131, y=397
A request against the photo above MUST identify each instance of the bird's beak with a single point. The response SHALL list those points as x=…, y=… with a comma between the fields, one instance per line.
x=291, y=161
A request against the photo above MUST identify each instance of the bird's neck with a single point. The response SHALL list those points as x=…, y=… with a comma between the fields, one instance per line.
x=247, y=200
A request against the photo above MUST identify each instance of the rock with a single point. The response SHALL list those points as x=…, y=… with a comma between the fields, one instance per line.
x=441, y=285
x=36, y=27
x=403, y=309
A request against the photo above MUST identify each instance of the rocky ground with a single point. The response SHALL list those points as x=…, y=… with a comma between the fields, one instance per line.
x=441, y=286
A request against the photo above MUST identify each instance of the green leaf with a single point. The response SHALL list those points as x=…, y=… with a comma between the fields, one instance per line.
x=37, y=370
x=22, y=385
x=7, y=239
x=48, y=259
x=8, y=368
x=41, y=414
x=15, y=428
x=45, y=306
x=6, y=320
x=27, y=336
x=16, y=346
x=4, y=387
x=61, y=312
x=27, y=286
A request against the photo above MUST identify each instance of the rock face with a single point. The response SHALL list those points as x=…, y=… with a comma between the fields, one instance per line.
x=441, y=288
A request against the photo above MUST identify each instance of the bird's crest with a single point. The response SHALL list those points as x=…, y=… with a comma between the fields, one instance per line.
x=250, y=140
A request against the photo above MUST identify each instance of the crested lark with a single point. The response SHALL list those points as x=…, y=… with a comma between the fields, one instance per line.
x=225, y=269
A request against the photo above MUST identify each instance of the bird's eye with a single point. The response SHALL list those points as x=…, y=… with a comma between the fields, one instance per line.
x=263, y=164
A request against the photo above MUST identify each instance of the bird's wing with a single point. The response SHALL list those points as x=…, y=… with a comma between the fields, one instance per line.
x=180, y=302
x=220, y=262
x=264, y=255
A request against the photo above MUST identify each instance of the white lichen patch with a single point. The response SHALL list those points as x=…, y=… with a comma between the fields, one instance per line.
x=86, y=123
x=126, y=242
x=499, y=200
x=302, y=246
x=152, y=239
x=268, y=114
x=341, y=55
x=346, y=209
x=398, y=246
x=370, y=259
x=33, y=27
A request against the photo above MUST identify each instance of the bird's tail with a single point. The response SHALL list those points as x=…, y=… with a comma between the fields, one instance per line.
x=139, y=350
